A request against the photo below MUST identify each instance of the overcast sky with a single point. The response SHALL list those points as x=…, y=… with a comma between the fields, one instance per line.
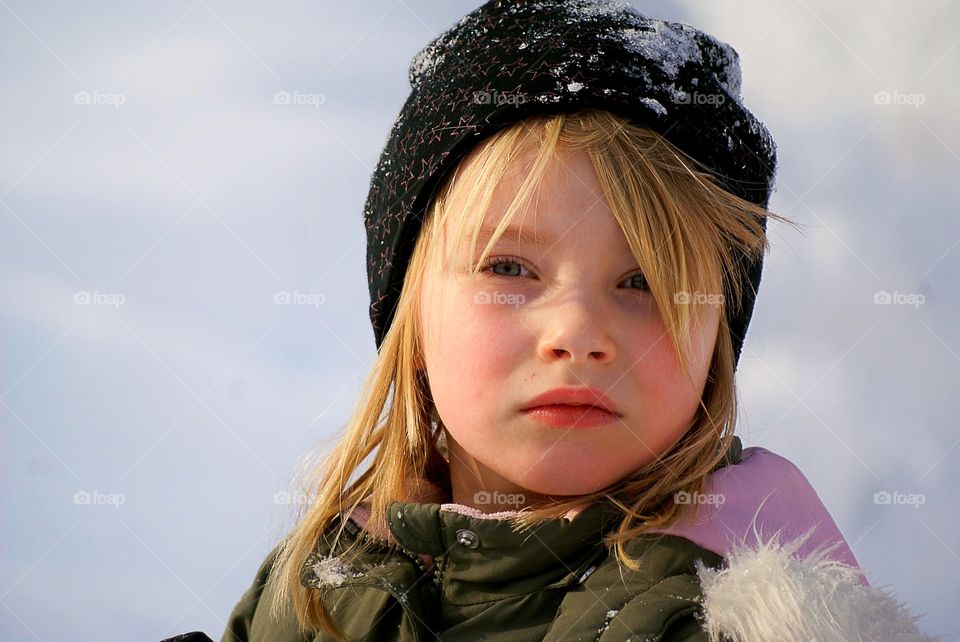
x=154, y=198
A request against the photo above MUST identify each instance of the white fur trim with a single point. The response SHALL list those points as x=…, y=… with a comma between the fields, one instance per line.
x=767, y=593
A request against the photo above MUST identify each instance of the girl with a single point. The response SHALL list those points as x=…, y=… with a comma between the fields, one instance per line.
x=545, y=446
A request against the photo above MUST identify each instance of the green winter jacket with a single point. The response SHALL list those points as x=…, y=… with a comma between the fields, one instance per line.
x=553, y=582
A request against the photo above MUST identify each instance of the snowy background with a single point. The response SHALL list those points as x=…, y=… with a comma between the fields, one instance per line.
x=154, y=198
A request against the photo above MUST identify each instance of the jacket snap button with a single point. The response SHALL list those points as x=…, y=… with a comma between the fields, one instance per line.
x=468, y=538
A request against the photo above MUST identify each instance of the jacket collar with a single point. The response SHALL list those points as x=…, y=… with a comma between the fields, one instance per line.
x=482, y=557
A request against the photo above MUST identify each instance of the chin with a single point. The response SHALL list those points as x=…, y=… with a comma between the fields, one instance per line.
x=563, y=482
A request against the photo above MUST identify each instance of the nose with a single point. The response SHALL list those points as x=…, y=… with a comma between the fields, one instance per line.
x=576, y=331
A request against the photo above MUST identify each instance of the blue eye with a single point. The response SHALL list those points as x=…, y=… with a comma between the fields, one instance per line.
x=493, y=263
x=514, y=268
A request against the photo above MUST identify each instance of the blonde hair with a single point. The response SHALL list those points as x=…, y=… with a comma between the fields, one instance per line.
x=684, y=230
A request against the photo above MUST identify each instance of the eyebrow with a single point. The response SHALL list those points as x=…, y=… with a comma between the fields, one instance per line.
x=523, y=235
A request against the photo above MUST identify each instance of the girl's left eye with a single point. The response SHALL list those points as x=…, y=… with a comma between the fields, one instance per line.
x=494, y=262
x=637, y=281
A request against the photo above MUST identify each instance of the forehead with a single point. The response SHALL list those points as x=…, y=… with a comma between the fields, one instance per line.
x=520, y=232
x=567, y=194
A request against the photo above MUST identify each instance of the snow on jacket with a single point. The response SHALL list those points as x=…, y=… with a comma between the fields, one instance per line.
x=765, y=562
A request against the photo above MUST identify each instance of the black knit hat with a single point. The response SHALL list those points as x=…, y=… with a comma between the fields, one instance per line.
x=508, y=60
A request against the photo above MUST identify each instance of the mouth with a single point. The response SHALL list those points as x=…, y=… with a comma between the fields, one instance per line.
x=571, y=415
x=575, y=397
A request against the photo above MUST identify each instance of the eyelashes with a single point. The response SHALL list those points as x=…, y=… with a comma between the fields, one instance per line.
x=638, y=280
x=496, y=261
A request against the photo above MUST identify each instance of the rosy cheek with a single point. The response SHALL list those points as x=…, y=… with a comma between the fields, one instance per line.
x=492, y=355
x=493, y=329
x=653, y=359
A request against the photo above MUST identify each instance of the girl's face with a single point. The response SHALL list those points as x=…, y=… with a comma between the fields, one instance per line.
x=567, y=307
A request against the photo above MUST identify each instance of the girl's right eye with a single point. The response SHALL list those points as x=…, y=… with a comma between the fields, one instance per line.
x=508, y=261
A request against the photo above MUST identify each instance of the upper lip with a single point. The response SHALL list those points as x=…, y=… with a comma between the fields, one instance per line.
x=573, y=397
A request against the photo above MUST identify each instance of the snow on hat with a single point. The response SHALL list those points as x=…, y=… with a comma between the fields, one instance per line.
x=508, y=60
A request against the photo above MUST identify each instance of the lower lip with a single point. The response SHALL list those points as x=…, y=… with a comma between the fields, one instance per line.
x=570, y=416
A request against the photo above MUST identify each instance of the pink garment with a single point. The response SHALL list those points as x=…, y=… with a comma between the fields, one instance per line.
x=762, y=495
x=753, y=500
